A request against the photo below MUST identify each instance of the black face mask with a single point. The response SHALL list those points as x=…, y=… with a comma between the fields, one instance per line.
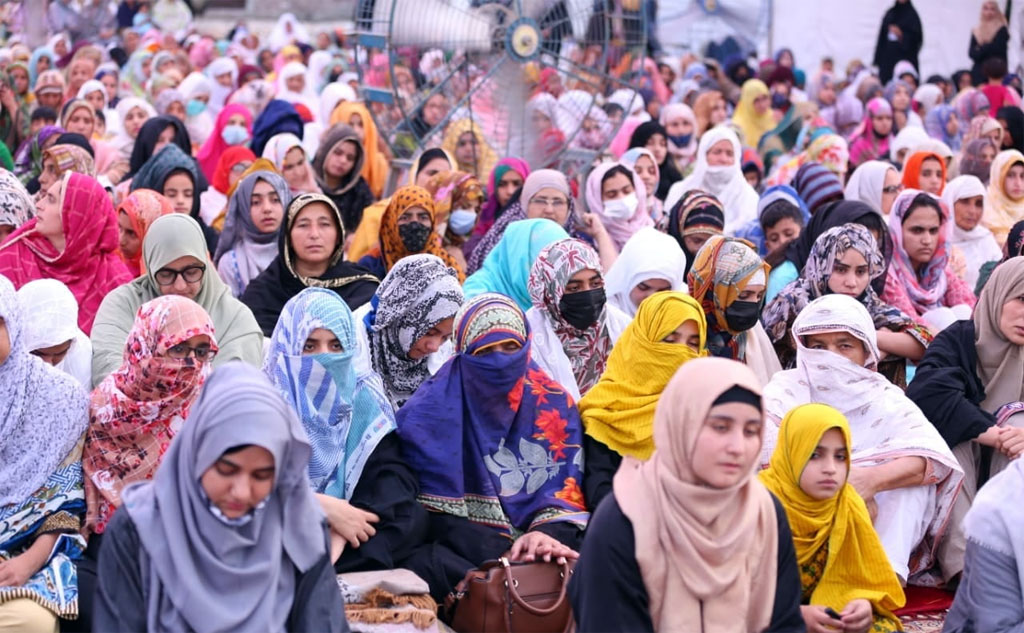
x=414, y=236
x=742, y=315
x=581, y=309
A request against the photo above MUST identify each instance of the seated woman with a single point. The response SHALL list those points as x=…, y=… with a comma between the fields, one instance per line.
x=408, y=325
x=1004, y=204
x=500, y=413
x=357, y=470
x=925, y=171
x=920, y=282
x=310, y=249
x=875, y=183
x=52, y=332
x=617, y=195
x=506, y=270
x=650, y=262
x=60, y=159
x=229, y=519
x=173, y=173
x=135, y=215
x=176, y=263
x=843, y=566
x=79, y=117
x=73, y=239
x=837, y=214
x=336, y=168
x=901, y=467
x=248, y=243
x=153, y=136
x=965, y=196
x=645, y=166
x=696, y=218
x=289, y=157
x=990, y=596
x=618, y=413
x=546, y=194
x=503, y=185
x=45, y=413
x=458, y=198
x=138, y=409
x=728, y=279
x=573, y=327
x=690, y=537
x=213, y=202
x=845, y=260
x=408, y=227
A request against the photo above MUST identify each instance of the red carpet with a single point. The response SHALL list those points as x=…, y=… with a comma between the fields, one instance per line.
x=926, y=608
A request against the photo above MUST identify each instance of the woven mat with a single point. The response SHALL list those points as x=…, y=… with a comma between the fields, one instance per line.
x=925, y=624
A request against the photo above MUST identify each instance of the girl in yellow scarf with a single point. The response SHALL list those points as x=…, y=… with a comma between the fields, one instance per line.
x=754, y=112
x=843, y=567
x=618, y=412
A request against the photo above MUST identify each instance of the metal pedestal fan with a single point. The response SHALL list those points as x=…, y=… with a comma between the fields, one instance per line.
x=427, y=64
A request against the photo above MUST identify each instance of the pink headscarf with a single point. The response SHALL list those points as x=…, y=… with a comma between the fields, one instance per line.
x=210, y=152
x=619, y=230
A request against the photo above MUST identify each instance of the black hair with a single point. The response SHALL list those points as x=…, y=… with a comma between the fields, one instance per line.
x=780, y=210
x=181, y=170
x=617, y=169
x=937, y=80
x=613, y=109
x=739, y=394
x=957, y=76
x=100, y=116
x=994, y=68
x=922, y=200
x=236, y=449
x=43, y=113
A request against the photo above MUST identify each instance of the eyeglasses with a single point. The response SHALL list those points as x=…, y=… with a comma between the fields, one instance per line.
x=201, y=353
x=239, y=168
x=555, y=203
x=892, y=189
x=191, y=274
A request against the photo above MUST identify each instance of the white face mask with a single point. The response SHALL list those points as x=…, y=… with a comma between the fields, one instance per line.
x=462, y=221
x=718, y=176
x=621, y=208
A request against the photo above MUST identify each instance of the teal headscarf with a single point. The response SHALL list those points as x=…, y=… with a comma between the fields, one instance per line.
x=506, y=270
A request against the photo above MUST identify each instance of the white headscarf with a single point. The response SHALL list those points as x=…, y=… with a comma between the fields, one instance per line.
x=200, y=126
x=909, y=138
x=333, y=94
x=866, y=183
x=122, y=141
x=219, y=94
x=649, y=254
x=978, y=245
x=307, y=97
x=54, y=321
x=288, y=30
x=726, y=183
x=884, y=423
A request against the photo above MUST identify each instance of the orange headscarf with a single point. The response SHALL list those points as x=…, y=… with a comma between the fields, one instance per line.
x=143, y=207
x=912, y=170
x=391, y=248
x=375, y=167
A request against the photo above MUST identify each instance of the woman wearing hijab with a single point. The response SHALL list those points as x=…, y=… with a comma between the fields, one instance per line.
x=53, y=334
x=458, y=198
x=1012, y=120
x=336, y=167
x=197, y=89
x=407, y=228
x=288, y=155
x=79, y=117
x=718, y=172
x=504, y=181
x=310, y=246
x=650, y=262
x=753, y=112
x=680, y=124
x=920, y=281
x=942, y=124
x=842, y=563
x=899, y=39
x=976, y=159
x=62, y=158
x=135, y=215
x=45, y=414
x=132, y=114
x=871, y=139
x=264, y=552
x=174, y=174
x=464, y=141
x=829, y=150
x=375, y=168
x=645, y=166
x=155, y=134
x=617, y=195
x=684, y=541
x=232, y=127
x=1004, y=203
x=223, y=73
x=729, y=279
x=410, y=321
x=989, y=38
x=16, y=205
x=965, y=197
x=138, y=409
x=902, y=468
x=875, y=183
x=500, y=411
x=276, y=117
x=213, y=203
x=925, y=171
x=175, y=259
x=72, y=239
x=618, y=413
x=356, y=467
x=652, y=136
x=574, y=328
x=692, y=221
x=248, y=243
x=28, y=160
x=970, y=381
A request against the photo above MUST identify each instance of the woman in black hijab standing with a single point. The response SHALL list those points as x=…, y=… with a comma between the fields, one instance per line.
x=899, y=38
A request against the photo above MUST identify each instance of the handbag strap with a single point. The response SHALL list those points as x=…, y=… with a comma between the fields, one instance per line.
x=511, y=584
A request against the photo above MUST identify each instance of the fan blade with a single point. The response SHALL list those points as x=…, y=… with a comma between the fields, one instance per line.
x=428, y=22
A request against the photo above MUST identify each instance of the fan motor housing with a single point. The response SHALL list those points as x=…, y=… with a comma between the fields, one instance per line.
x=523, y=39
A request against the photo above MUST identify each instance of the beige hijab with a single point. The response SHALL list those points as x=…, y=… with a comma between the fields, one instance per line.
x=1000, y=362
x=707, y=556
x=986, y=30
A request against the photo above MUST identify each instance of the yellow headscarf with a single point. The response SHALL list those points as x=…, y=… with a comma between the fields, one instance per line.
x=485, y=156
x=1002, y=211
x=857, y=565
x=754, y=125
x=375, y=167
x=619, y=410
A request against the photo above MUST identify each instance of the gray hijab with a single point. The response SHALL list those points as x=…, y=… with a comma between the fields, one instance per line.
x=203, y=574
x=238, y=225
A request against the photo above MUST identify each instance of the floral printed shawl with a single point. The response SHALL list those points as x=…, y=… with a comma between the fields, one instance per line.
x=493, y=437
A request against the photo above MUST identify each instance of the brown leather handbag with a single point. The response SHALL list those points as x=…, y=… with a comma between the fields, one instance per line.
x=505, y=597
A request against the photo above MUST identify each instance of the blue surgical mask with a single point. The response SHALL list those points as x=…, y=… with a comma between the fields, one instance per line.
x=462, y=221
x=194, y=107
x=234, y=134
x=680, y=140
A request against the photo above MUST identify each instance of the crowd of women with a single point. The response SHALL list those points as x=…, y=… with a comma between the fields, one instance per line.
x=758, y=369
